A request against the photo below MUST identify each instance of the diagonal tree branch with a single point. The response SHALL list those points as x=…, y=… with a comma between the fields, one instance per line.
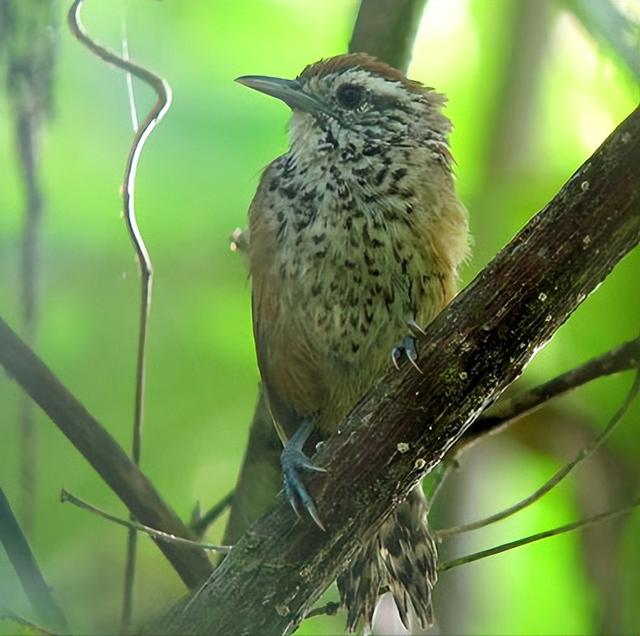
x=102, y=452
x=472, y=351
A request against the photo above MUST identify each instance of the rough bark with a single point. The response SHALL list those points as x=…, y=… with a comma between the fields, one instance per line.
x=475, y=348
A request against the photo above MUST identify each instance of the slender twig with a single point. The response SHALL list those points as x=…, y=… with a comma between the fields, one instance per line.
x=8, y=615
x=330, y=609
x=576, y=525
x=28, y=39
x=27, y=131
x=103, y=453
x=134, y=526
x=584, y=454
x=133, y=111
x=157, y=112
x=28, y=571
x=200, y=523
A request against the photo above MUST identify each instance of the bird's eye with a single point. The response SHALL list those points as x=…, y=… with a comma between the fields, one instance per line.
x=350, y=95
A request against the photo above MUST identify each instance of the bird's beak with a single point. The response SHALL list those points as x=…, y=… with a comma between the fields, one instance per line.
x=289, y=91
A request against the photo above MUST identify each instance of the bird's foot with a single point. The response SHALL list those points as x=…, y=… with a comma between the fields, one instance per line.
x=408, y=349
x=294, y=462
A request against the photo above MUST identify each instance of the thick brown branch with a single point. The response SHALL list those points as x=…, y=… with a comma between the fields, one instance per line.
x=102, y=452
x=472, y=351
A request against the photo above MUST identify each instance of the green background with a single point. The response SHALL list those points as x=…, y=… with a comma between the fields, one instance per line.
x=196, y=179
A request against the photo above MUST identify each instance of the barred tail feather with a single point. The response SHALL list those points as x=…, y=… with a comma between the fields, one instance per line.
x=404, y=557
x=410, y=558
x=359, y=584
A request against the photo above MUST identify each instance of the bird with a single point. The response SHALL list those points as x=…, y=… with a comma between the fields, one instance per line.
x=356, y=236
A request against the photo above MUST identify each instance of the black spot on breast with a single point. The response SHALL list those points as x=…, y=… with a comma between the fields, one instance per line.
x=371, y=150
x=330, y=139
x=361, y=172
x=289, y=191
x=318, y=238
x=379, y=178
x=399, y=173
x=308, y=195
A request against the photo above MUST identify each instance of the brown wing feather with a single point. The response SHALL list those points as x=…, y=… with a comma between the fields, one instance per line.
x=284, y=354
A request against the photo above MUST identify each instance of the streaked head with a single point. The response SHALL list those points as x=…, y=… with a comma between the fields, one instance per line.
x=355, y=97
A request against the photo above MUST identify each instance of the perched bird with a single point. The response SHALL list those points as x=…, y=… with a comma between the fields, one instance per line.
x=355, y=238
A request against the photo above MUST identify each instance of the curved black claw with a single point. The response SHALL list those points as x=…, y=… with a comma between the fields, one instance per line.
x=293, y=462
x=407, y=349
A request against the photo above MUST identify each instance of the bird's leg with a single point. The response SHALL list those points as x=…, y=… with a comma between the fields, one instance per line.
x=294, y=461
x=408, y=348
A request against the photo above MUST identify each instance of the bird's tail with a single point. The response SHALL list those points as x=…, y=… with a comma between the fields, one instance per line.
x=402, y=556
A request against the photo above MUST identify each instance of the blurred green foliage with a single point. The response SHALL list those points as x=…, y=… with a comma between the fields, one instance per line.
x=196, y=180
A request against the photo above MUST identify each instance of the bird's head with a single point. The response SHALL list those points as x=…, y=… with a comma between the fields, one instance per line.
x=356, y=100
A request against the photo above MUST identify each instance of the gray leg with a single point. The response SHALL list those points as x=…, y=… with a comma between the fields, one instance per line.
x=293, y=462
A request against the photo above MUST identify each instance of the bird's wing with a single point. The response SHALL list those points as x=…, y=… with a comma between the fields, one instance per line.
x=288, y=373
